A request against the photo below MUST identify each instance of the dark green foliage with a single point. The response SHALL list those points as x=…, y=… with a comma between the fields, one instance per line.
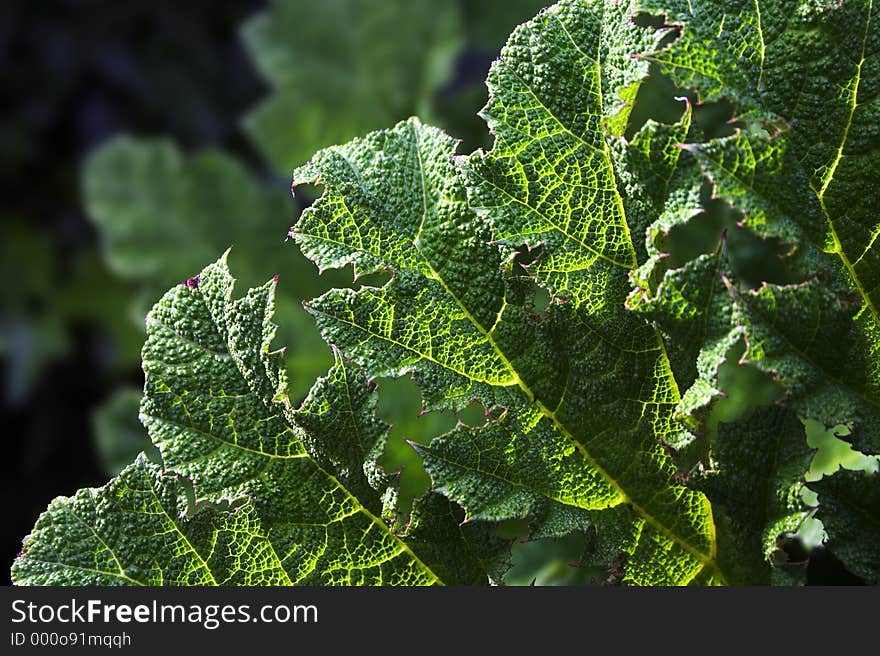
x=594, y=283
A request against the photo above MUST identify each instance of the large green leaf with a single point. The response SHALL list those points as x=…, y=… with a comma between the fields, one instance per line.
x=804, y=79
x=533, y=280
x=218, y=411
x=587, y=395
x=216, y=406
x=798, y=169
x=163, y=215
x=139, y=529
x=458, y=319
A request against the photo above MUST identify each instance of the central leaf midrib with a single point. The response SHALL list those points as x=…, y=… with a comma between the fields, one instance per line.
x=362, y=509
x=604, y=151
x=763, y=45
x=100, y=539
x=820, y=193
x=852, y=110
x=844, y=258
x=838, y=247
x=826, y=182
x=285, y=409
x=707, y=560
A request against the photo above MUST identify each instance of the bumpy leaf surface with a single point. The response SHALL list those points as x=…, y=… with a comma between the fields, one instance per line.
x=849, y=508
x=756, y=489
x=586, y=393
x=162, y=215
x=138, y=530
x=805, y=78
x=216, y=406
x=456, y=314
x=587, y=399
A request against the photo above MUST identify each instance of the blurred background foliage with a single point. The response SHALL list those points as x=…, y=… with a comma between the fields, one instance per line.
x=140, y=140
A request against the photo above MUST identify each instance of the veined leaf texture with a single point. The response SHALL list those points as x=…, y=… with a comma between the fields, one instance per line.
x=592, y=402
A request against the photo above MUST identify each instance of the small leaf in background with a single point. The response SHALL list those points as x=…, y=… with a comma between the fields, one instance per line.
x=50, y=298
x=339, y=69
x=162, y=215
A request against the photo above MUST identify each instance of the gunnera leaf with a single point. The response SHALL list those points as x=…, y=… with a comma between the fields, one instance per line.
x=139, y=530
x=589, y=397
x=532, y=279
x=456, y=316
x=793, y=169
x=216, y=406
